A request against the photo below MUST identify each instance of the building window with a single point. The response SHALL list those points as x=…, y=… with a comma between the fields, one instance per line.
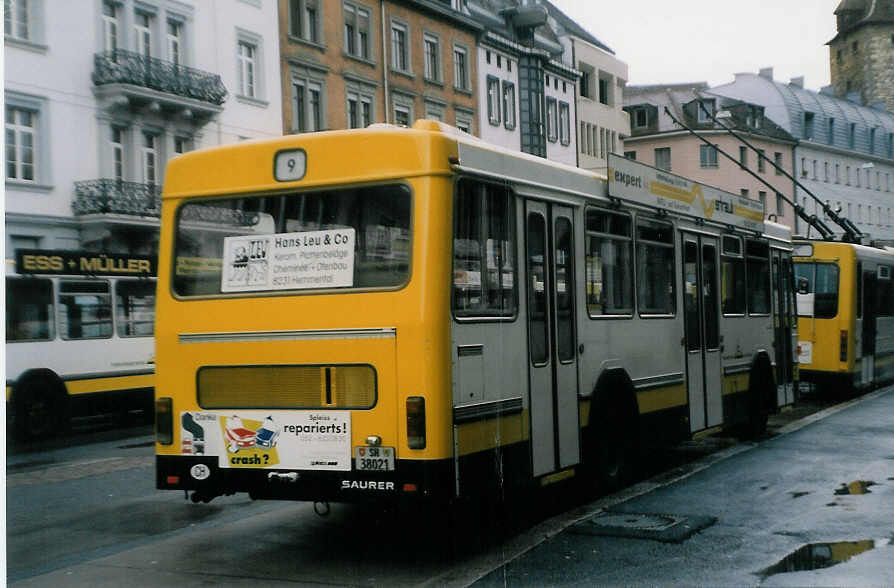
x=814, y=169
x=143, y=34
x=777, y=159
x=360, y=110
x=400, y=50
x=586, y=82
x=464, y=121
x=16, y=19
x=402, y=115
x=552, y=120
x=21, y=144
x=307, y=105
x=743, y=157
x=433, y=111
x=246, y=57
x=826, y=170
x=702, y=106
x=605, y=84
x=855, y=47
x=603, y=138
x=837, y=173
x=149, y=156
x=508, y=105
x=304, y=20
x=761, y=161
x=109, y=26
x=663, y=158
x=564, y=123
x=357, y=30
x=808, y=125
x=640, y=118
x=631, y=155
x=744, y=193
x=493, y=100
x=761, y=196
x=432, y=50
x=175, y=30
x=707, y=156
x=780, y=205
x=847, y=175
x=460, y=68
x=852, y=135
x=117, y=143
x=891, y=145
x=831, y=131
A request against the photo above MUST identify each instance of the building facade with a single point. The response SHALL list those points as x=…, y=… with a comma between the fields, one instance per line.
x=602, y=123
x=100, y=94
x=526, y=90
x=659, y=141
x=861, y=55
x=845, y=151
x=352, y=63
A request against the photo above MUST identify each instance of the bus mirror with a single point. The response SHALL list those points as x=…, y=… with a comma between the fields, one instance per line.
x=802, y=286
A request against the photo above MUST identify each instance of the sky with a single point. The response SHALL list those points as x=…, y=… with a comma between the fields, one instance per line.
x=677, y=41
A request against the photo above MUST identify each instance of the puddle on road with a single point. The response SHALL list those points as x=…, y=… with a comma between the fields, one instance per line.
x=816, y=556
x=855, y=487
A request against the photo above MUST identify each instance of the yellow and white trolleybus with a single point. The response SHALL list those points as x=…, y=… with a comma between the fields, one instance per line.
x=392, y=312
x=79, y=328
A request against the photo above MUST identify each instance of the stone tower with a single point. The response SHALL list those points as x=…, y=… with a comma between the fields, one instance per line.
x=861, y=55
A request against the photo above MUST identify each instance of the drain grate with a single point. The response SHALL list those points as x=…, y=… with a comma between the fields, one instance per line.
x=658, y=527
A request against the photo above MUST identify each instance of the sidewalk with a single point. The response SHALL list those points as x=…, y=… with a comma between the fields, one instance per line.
x=790, y=502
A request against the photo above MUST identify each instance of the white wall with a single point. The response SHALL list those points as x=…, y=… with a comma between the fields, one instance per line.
x=497, y=134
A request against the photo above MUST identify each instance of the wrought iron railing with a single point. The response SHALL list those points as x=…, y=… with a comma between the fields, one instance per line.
x=126, y=67
x=117, y=197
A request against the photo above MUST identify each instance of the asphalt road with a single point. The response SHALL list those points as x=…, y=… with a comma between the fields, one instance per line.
x=83, y=511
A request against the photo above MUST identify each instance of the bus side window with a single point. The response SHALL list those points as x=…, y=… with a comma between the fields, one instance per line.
x=483, y=251
x=29, y=309
x=135, y=308
x=758, y=277
x=85, y=309
x=655, y=267
x=609, y=263
x=732, y=276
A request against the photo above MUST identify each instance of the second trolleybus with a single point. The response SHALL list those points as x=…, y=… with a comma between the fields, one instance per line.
x=392, y=312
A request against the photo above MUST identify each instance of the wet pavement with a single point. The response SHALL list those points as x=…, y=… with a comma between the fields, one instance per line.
x=810, y=506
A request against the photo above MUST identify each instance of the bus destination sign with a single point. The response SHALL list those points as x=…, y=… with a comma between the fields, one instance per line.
x=636, y=182
x=84, y=263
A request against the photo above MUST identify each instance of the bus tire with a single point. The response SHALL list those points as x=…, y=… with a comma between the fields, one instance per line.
x=761, y=391
x=41, y=406
x=613, y=433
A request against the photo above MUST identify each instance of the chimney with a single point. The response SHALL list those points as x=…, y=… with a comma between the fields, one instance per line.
x=766, y=72
x=797, y=82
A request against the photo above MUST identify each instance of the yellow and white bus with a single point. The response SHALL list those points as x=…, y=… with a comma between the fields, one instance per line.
x=845, y=315
x=392, y=312
x=79, y=328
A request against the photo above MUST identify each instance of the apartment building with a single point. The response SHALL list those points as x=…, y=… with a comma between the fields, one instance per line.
x=100, y=94
x=656, y=139
x=352, y=63
x=602, y=123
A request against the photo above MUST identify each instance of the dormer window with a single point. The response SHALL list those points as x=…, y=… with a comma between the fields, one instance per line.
x=704, y=117
x=640, y=118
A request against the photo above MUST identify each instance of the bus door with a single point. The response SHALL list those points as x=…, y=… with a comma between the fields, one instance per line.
x=704, y=373
x=868, y=331
x=783, y=325
x=554, y=418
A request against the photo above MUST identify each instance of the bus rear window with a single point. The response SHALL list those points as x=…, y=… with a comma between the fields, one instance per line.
x=332, y=239
x=29, y=309
x=822, y=282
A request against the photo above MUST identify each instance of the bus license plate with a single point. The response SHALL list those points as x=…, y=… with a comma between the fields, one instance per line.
x=375, y=459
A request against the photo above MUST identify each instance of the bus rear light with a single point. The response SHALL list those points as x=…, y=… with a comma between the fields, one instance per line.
x=843, y=346
x=408, y=487
x=173, y=480
x=164, y=421
x=416, y=422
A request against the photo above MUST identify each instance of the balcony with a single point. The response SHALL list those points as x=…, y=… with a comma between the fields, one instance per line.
x=114, y=197
x=134, y=79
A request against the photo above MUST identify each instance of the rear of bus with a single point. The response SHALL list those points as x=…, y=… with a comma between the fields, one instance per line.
x=302, y=341
x=827, y=309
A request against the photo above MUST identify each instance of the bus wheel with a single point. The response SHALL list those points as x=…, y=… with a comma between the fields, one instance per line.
x=40, y=407
x=614, y=443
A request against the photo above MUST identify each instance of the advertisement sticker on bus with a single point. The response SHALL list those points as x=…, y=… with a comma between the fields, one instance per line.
x=270, y=439
x=289, y=261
